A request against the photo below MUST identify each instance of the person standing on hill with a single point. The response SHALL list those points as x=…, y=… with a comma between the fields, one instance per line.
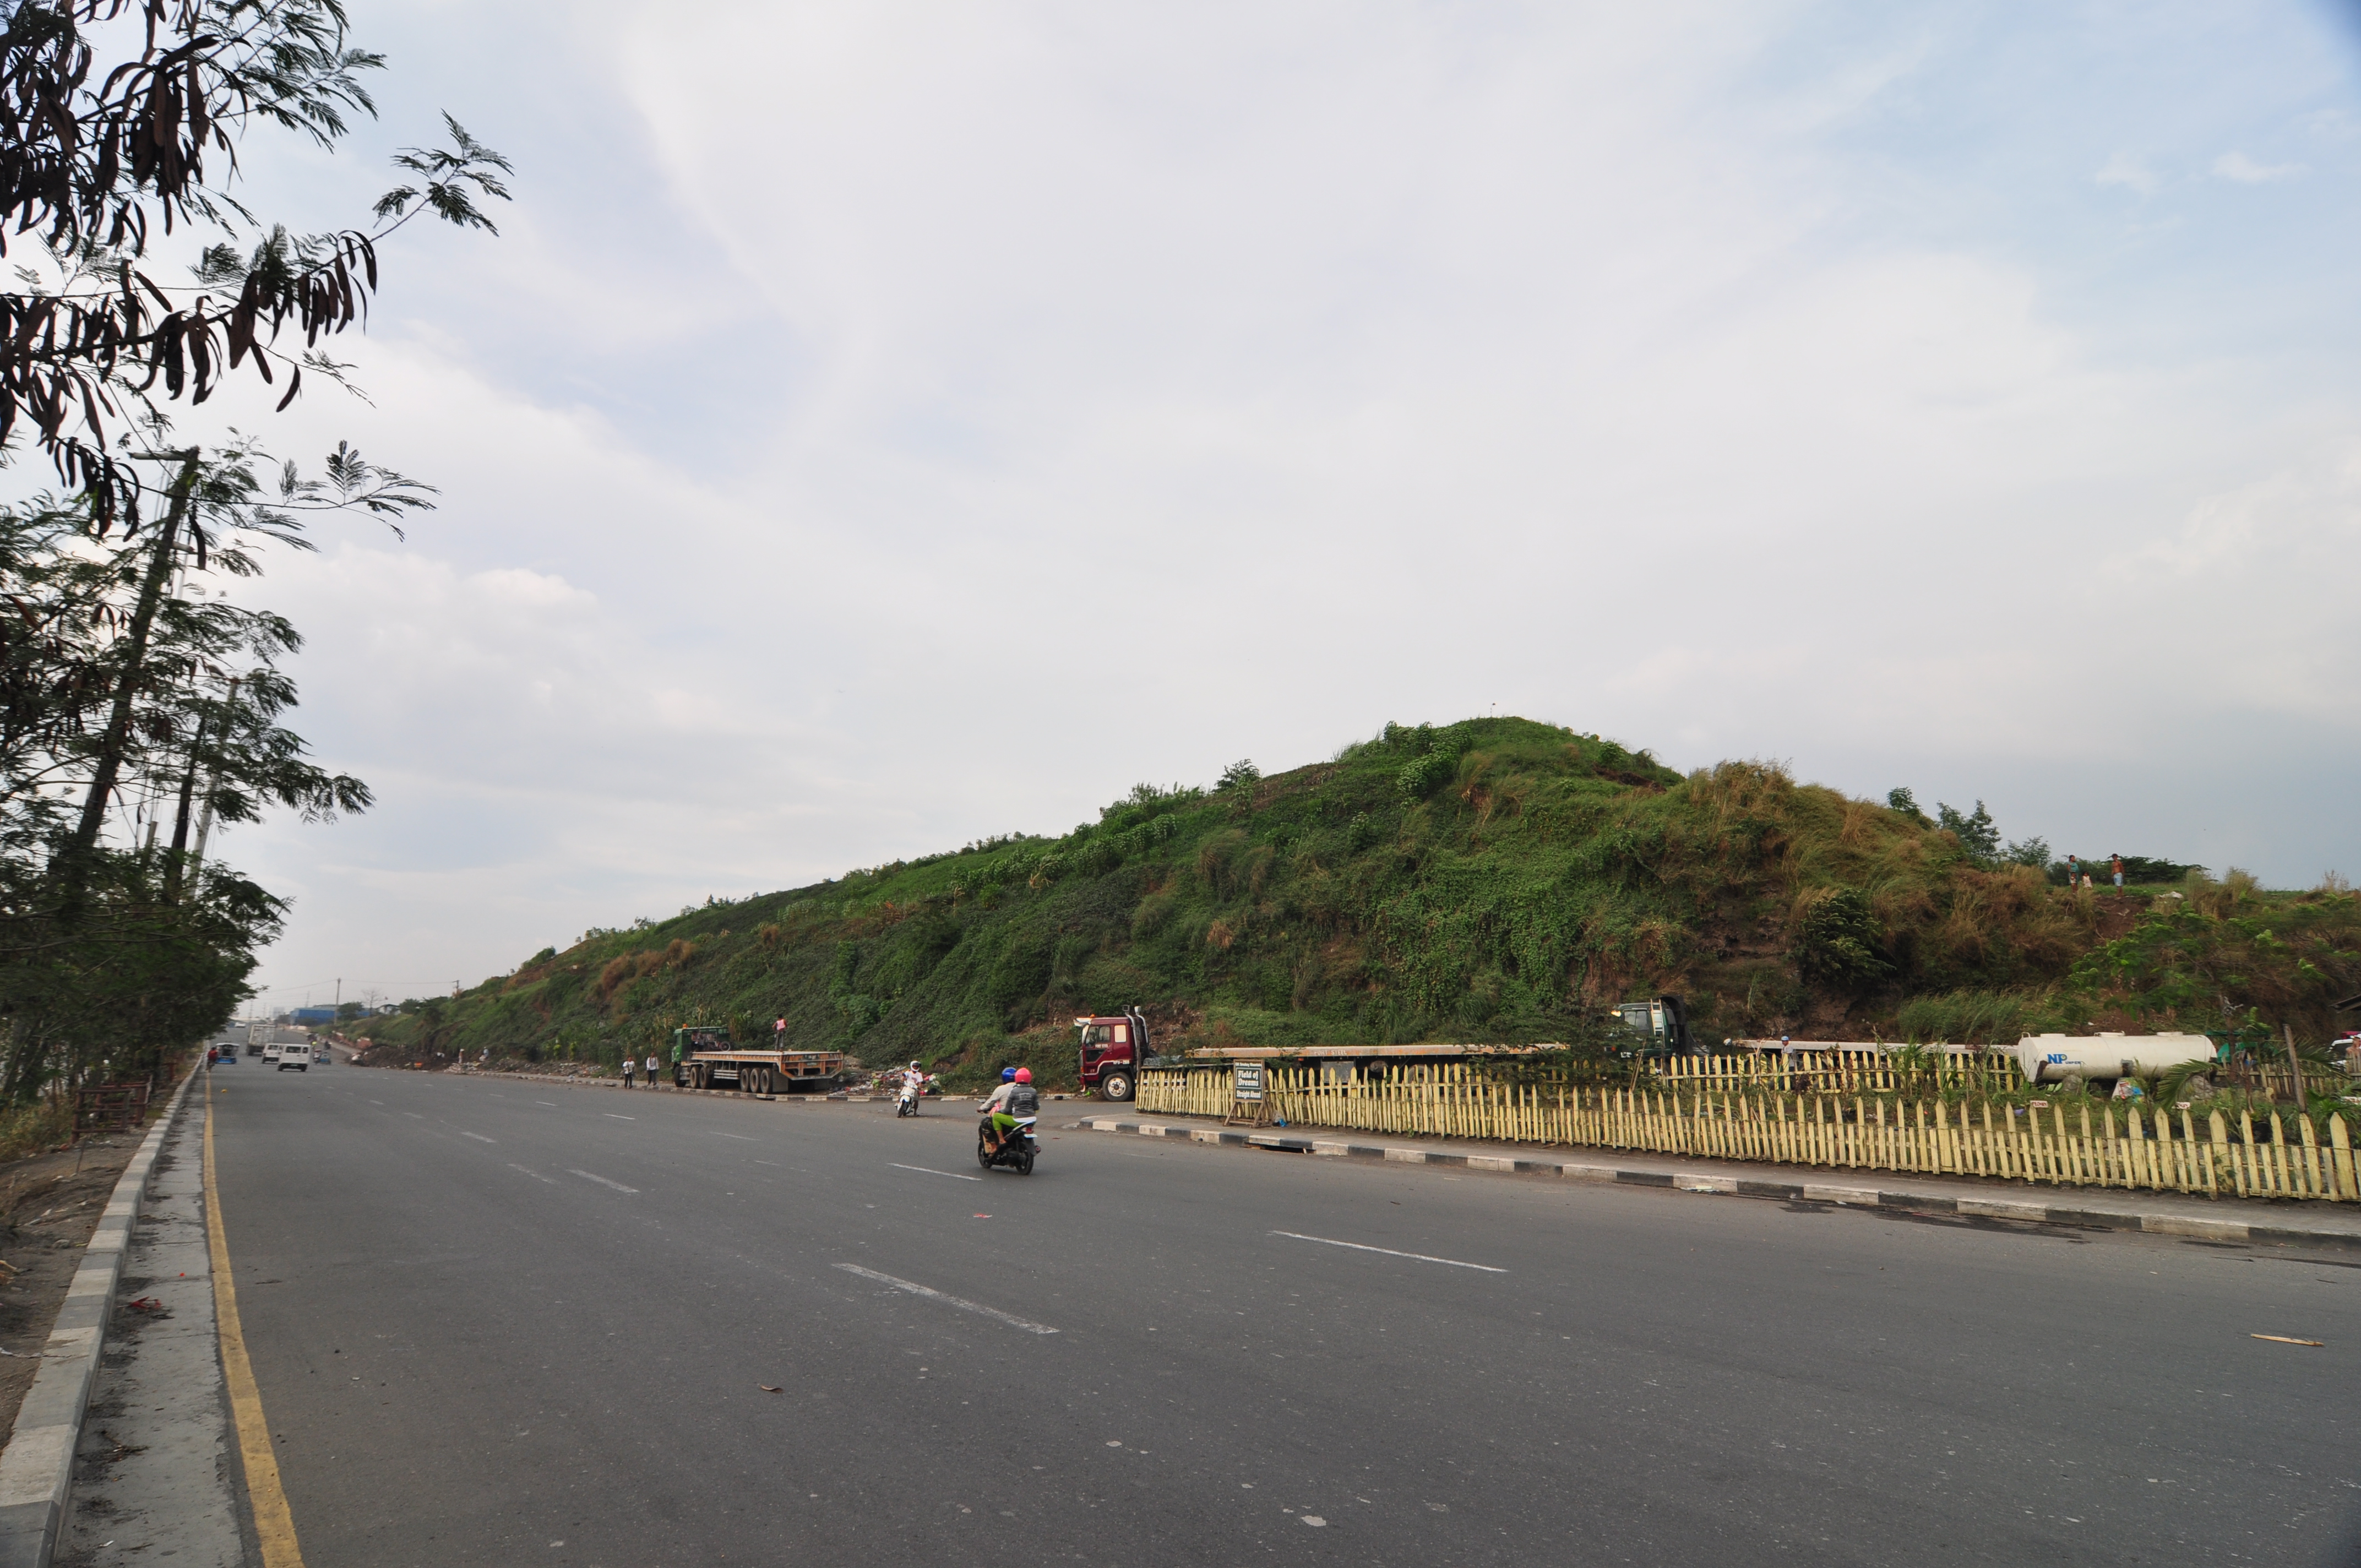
x=2073, y=870
x=2119, y=871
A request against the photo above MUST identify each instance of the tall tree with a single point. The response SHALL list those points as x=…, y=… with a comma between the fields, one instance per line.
x=121, y=122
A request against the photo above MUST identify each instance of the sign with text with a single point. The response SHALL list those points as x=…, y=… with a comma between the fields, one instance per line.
x=1248, y=1088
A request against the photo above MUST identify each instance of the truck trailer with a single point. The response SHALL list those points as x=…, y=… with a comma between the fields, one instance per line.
x=704, y=1058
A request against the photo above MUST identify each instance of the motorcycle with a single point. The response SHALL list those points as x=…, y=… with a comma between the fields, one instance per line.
x=906, y=1102
x=1016, y=1151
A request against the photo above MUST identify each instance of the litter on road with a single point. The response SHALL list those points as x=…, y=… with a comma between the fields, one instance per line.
x=2282, y=1339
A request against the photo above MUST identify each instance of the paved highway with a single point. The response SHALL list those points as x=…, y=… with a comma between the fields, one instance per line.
x=499, y=1323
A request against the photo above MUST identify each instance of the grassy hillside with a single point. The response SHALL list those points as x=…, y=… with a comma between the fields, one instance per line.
x=1494, y=880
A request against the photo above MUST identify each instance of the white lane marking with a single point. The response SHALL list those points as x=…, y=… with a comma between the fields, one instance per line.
x=478, y=1137
x=740, y=1136
x=413, y=1115
x=535, y=1175
x=930, y=1170
x=551, y=1103
x=965, y=1305
x=614, y=1117
x=1356, y=1247
x=603, y=1181
x=377, y=1101
x=772, y=1163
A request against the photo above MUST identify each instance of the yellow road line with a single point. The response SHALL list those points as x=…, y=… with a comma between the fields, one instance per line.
x=274, y=1525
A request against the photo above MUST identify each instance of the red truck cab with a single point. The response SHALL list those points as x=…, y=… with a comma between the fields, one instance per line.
x=1113, y=1050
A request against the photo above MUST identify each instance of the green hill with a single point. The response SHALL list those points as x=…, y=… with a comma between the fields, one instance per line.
x=1495, y=880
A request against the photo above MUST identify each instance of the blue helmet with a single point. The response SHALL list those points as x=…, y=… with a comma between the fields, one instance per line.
x=1007, y=1075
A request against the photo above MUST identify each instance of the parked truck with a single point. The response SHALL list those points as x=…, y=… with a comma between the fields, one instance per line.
x=704, y=1058
x=2051, y=1058
x=1114, y=1050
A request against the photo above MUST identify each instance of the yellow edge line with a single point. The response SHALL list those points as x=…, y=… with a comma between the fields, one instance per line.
x=274, y=1525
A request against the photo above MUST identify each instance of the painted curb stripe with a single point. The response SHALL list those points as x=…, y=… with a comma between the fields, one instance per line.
x=2150, y=1222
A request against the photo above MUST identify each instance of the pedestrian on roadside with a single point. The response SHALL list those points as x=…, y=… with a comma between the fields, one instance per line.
x=2119, y=872
x=629, y=1063
x=652, y=1070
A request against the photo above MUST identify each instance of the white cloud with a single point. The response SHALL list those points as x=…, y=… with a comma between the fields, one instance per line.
x=2130, y=173
x=2244, y=171
x=1107, y=395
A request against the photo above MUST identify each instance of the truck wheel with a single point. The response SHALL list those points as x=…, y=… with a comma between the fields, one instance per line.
x=762, y=1081
x=1115, y=1086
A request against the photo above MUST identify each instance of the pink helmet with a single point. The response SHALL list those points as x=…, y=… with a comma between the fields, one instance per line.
x=1024, y=1075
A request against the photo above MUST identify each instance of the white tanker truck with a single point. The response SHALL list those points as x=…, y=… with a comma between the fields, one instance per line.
x=2055, y=1057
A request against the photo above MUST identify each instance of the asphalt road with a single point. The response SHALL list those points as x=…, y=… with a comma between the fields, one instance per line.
x=497, y=1322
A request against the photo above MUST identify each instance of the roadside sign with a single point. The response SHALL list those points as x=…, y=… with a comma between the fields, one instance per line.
x=1248, y=1088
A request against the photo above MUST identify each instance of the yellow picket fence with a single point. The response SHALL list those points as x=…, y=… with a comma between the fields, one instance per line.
x=2113, y=1144
x=1847, y=1070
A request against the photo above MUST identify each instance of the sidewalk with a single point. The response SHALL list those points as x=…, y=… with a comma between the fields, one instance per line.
x=2308, y=1222
x=156, y=1470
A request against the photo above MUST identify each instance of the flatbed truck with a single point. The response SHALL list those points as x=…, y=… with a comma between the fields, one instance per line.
x=704, y=1058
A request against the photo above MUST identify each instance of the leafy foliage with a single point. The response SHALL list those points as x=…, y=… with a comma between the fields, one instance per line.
x=1538, y=877
x=97, y=155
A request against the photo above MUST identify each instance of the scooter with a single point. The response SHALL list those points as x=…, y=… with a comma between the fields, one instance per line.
x=1016, y=1150
x=906, y=1102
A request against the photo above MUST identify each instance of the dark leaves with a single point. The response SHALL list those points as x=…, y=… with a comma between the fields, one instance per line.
x=87, y=169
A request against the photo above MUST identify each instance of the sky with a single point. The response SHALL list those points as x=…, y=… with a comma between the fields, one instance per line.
x=880, y=427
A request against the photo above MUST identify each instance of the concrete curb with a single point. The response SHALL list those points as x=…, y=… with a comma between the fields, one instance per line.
x=37, y=1465
x=2030, y=1209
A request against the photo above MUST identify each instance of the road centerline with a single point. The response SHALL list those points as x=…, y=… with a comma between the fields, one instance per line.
x=478, y=1137
x=603, y=1181
x=930, y=1170
x=961, y=1302
x=1390, y=1252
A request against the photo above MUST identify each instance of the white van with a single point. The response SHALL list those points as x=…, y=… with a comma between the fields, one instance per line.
x=297, y=1057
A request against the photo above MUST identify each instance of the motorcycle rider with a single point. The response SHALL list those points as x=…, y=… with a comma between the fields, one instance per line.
x=1013, y=1099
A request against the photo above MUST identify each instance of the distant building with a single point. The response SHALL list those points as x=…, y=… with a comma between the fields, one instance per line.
x=309, y=1015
